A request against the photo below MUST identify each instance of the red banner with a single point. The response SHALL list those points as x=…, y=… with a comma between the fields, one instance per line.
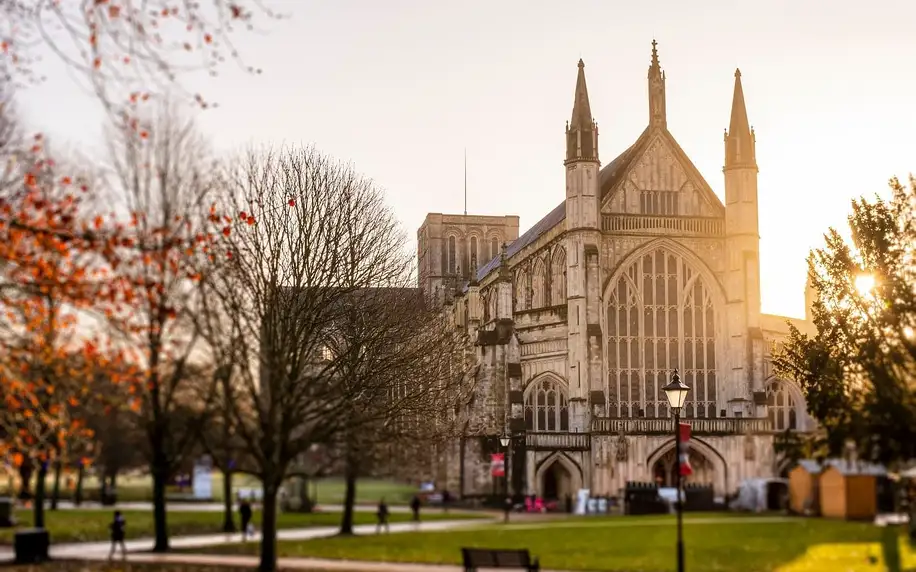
x=498, y=465
x=686, y=469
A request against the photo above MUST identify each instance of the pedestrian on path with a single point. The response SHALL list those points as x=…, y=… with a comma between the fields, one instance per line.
x=118, y=529
x=245, y=514
x=415, y=508
x=446, y=499
x=382, y=515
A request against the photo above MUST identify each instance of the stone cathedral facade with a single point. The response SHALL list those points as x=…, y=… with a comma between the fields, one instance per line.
x=579, y=322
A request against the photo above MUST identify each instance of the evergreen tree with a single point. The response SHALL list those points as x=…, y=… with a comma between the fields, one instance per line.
x=858, y=372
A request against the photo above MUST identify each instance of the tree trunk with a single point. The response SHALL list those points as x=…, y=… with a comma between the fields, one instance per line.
x=40, y=496
x=55, y=492
x=228, y=521
x=25, y=480
x=78, y=494
x=307, y=503
x=160, y=474
x=346, y=523
x=269, y=530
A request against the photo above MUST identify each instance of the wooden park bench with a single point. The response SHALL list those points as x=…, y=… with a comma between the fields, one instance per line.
x=475, y=558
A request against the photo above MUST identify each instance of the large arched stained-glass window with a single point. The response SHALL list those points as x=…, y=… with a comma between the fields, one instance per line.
x=660, y=316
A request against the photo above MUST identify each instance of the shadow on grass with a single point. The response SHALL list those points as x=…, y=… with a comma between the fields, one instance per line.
x=890, y=548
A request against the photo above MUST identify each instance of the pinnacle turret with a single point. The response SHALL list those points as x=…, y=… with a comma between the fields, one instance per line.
x=657, y=107
x=581, y=131
x=739, y=139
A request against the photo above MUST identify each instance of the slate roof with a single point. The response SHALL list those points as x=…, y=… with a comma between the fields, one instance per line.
x=608, y=178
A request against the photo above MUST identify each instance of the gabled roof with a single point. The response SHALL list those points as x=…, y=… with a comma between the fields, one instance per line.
x=614, y=173
x=608, y=179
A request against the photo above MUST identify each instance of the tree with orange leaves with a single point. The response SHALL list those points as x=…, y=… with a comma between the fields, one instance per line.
x=129, y=51
x=48, y=278
x=124, y=46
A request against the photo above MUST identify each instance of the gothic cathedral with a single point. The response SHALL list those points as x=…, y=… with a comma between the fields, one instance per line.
x=579, y=322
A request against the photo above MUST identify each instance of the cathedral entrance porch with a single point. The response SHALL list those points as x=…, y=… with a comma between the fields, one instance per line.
x=557, y=478
x=708, y=466
x=663, y=471
x=557, y=482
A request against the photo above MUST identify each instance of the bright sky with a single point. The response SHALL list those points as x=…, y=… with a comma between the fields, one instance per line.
x=402, y=87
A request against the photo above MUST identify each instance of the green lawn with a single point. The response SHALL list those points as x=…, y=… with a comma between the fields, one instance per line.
x=139, y=488
x=714, y=543
x=88, y=525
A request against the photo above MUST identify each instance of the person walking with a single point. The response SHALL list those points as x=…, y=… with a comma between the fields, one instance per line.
x=118, y=528
x=415, y=509
x=382, y=515
x=245, y=514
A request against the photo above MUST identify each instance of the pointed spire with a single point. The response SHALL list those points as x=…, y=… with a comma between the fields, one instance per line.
x=655, y=68
x=581, y=130
x=739, y=147
x=739, y=124
x=582, y=111
x=657, y=107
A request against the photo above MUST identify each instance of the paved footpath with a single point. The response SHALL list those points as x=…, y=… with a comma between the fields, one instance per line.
x=314, y=564
x=208, y=507
x=140, y=549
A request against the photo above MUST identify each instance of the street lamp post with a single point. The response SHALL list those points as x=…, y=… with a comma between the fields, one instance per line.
x=676, y=392
x=506, y=440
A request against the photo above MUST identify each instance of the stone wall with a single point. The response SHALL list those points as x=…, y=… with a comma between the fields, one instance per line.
x=731, y=459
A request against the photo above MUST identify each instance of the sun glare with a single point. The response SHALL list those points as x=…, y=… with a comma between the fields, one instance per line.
x=865, y=283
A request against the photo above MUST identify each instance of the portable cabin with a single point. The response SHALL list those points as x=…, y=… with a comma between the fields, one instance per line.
x=850, y=490
x=803, y=488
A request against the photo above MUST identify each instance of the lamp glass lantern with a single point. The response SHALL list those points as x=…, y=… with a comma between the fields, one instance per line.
x=504, y=440
x=676, y=392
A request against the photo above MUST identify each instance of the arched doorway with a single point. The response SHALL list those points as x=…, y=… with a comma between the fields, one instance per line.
x=703, y=471
x=557, y=483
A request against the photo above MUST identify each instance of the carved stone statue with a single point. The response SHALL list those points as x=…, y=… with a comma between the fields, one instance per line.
x=622, y=447
x=749, y=448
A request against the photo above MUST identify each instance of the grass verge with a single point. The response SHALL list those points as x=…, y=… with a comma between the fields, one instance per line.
x=713, y=543
x=92, y=525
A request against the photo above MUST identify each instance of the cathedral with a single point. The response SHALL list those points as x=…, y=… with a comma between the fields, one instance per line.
x=578, y=324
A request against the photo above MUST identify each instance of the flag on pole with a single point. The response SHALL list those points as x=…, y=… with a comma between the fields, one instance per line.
x=498, y=464
x=686, y=469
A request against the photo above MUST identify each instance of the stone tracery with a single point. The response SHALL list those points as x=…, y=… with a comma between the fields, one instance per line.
x=785, y=409
x=660, y=316
x=546, y=405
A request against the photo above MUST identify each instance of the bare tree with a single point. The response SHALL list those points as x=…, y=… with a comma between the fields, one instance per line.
x=393, y=354
x=166, y=178
x=311, y=234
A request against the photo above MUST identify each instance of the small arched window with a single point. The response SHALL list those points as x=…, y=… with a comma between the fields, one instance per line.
x=494, y=248
x=558, y=277
x=452, y=255
x=546, y=406
x=473, y=254
x=784, y=411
